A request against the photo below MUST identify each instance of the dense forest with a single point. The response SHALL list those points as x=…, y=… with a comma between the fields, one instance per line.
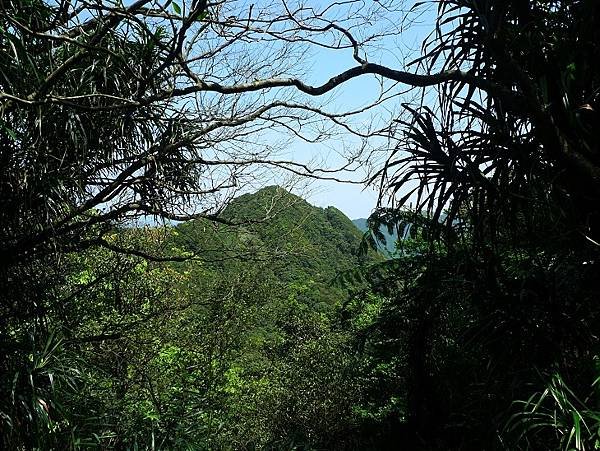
x=162, y=287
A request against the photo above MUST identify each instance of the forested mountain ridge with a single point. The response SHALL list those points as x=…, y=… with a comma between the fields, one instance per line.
x=300, y=242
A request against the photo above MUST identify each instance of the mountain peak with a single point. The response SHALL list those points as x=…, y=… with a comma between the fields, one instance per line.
x=300, y=241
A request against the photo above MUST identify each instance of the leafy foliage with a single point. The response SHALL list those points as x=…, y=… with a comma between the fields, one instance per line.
x=114, y=337
x=557, y=410
x=501, y=287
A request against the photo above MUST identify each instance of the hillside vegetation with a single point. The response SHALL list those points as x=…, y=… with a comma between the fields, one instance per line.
x=248, y=349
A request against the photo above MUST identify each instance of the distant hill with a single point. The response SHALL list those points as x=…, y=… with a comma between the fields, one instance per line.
x=296, y=241
x=390, y=238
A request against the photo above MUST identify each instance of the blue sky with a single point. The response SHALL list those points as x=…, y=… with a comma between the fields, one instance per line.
x=402, y=45
x=355, y=201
